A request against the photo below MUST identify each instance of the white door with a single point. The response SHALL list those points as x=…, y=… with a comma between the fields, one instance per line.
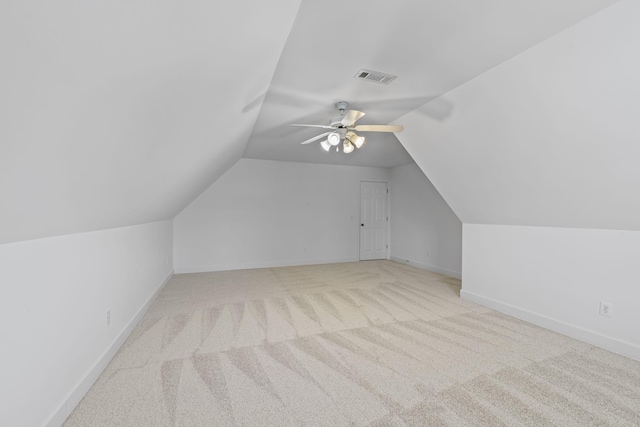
x=373, y=220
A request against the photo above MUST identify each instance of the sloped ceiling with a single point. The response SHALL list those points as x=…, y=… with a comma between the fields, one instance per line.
x=115, y=113
x=432, y=46
x=119, y=113
x=548, y=138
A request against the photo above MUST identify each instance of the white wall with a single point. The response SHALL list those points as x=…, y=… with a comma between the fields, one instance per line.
x=556, y=277
x=547, y=138
x=425, y=232
x=265, y=213
x=129, y=122
x=53, y=302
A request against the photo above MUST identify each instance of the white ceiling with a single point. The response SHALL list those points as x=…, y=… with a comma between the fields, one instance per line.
x=118, y=113
x=115, y=113
x=432, y=46
x=548, y=138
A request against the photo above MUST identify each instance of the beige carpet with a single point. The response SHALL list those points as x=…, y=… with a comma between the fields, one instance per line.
x=371, y=343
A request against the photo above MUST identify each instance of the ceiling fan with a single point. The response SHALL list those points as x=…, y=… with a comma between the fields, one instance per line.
x=342, y=129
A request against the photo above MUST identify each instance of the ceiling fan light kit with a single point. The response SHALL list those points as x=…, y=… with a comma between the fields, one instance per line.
x=334, y=138
x=347, y=146
x=342, y=127
x=355, y=139
x=325, y=145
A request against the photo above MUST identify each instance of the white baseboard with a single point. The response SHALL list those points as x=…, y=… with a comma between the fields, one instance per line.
x=83, y=386
x=266, y=264
x=614, y=345
x=451, y=273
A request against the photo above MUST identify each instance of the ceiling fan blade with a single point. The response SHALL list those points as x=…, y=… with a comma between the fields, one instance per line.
x=315, y=138
x=314, y=126
x=378, y=128
x=351, y=116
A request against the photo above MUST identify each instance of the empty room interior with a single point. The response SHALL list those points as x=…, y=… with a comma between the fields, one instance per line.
x=332, y=213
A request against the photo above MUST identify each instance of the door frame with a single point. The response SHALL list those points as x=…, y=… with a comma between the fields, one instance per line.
x=388, y=215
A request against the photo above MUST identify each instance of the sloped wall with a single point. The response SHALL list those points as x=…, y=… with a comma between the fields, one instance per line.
x=424, y=230
x=538, y=158
x=117, y=113
x=548, y=138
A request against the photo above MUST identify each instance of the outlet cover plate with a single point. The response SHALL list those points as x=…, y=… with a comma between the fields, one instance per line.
x=606, y=309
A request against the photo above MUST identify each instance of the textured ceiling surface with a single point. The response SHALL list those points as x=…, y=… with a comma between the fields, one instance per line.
x=120, y=113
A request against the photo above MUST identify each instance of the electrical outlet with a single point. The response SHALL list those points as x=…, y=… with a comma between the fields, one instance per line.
x=606, y=308
x=108, y=317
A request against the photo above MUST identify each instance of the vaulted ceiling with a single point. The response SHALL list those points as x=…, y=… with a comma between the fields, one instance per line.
x=548, y=138
x=119, y=113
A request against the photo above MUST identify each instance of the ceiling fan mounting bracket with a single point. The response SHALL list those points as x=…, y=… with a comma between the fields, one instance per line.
x=342, y=106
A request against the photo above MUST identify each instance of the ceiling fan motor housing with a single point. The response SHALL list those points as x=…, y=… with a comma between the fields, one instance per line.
x=337, y=121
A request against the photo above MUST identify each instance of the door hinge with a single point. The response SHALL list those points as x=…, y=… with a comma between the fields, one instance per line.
x=387, y=218
x=387, y=191
x=387, y=246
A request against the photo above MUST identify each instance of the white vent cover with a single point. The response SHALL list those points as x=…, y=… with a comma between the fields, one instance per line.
x=375, y=76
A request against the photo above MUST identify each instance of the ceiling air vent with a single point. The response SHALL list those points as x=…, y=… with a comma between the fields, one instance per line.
x=375, y=76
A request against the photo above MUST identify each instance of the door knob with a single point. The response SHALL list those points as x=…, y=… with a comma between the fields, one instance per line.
x=362, y=225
